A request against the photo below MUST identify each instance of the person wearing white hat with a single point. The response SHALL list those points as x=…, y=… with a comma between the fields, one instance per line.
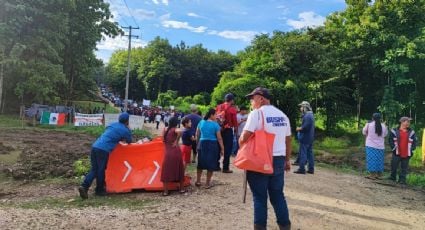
x=306, y=139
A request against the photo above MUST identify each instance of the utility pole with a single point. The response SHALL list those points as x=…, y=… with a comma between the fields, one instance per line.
x=127, y=78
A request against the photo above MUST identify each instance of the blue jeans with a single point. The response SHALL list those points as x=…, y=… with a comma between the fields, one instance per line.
x=227, y=135
x=98, y=160
x=260, y=185
x=306, y=155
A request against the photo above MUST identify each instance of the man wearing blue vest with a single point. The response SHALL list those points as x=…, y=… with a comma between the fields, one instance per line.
x=102, y=147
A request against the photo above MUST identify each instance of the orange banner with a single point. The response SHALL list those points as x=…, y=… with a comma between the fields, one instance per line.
x=137, y=166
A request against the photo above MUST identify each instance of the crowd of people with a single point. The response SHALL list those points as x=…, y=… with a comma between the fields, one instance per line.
x=210, y=141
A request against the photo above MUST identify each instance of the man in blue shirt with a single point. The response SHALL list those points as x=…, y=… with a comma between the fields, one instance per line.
x=99, y=155
x=306, y=138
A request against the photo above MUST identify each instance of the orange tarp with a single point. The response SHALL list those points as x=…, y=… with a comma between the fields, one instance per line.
x=137, y=166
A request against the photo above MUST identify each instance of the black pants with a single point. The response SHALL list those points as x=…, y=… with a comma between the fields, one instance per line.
x=404, y=162
x=227, y=135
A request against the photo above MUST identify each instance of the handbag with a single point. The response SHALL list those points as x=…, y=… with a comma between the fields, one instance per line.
x=256, y=154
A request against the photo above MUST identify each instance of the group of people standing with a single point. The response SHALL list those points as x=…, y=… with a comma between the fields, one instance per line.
x=208, y=141
x=212, y=137
x=402, y=141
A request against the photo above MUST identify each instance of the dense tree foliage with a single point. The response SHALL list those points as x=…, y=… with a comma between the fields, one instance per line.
x=47, y=49
x=367, y=58
x=160, y=67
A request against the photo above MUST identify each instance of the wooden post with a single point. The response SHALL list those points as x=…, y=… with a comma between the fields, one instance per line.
x=244, y=187
x=22, y=115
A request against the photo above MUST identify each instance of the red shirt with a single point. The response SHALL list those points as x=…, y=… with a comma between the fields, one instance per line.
x=403, y=143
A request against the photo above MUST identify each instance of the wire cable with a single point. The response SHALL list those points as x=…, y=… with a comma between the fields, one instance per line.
x=129, y=11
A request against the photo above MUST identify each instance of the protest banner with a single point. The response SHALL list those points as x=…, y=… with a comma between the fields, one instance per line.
x=146, y=102
x=135, y=122
x=81, y=119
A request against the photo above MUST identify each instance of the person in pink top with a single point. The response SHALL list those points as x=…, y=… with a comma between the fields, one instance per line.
x=375, y=133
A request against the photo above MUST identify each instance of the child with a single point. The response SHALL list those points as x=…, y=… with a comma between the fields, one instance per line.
x=187, y=139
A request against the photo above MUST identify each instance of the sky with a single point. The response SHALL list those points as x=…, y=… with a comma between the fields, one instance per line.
x=216, y=24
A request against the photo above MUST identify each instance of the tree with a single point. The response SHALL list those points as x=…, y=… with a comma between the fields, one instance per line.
x=89, y=21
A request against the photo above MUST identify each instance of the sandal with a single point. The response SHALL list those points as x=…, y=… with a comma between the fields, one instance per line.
x=197, y=184
x=209, y=186
x=183, y=191
x=165, y=193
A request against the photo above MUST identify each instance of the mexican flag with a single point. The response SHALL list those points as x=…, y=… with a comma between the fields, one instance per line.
x=52, y=118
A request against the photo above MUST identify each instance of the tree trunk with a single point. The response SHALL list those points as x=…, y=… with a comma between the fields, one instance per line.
x=71, y=84
x=359, y=104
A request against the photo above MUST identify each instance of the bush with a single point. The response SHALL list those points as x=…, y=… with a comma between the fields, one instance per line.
x=81, y=167
x=416, y=160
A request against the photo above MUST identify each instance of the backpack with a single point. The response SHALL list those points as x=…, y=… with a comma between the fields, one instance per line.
x=220, y=115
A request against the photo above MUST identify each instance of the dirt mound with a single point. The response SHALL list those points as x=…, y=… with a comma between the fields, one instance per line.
x=5, y=149
x=46, y=153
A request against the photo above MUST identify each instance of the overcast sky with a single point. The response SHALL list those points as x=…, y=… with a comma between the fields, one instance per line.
x=217, y=24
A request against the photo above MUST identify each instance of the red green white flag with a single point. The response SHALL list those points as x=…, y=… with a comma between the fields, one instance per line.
x=52, y=118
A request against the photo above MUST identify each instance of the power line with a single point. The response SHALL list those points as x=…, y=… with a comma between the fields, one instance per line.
x=126, y=23
x=129, y=11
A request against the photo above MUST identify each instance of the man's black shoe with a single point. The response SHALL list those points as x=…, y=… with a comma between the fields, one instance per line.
x=103, y=193
x=227, y=171
x=310, y=172
x=83, y=192
x=299, y=172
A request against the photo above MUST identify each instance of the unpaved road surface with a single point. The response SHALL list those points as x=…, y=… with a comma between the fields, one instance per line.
x=325, y=200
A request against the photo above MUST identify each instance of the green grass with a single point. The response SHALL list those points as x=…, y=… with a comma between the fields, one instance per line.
x=333, y=143
x=11, y=121
x=415, y=179
x=120, y=201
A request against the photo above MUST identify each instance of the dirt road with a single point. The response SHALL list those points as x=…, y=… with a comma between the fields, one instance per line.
x=326, y=200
